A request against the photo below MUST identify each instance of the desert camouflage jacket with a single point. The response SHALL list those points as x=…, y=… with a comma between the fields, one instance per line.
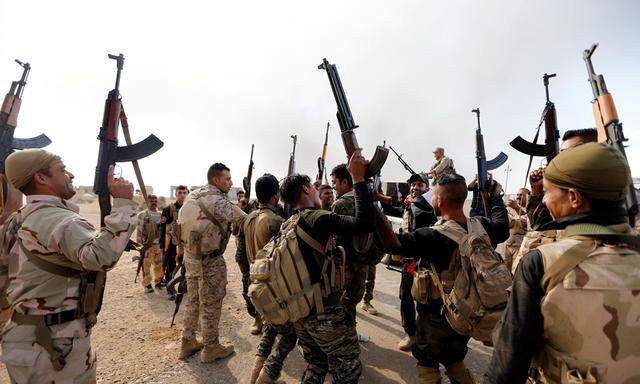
x=53, y=229
x=196, y=227
x=148, y=227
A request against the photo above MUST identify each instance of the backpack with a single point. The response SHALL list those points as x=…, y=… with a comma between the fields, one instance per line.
x=281, y=288
x=479, y=293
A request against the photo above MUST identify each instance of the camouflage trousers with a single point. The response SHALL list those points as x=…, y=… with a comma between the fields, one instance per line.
x=206, y=287
x=329, y=344
x=286, y=343
x=152, y=261
x=360, y=281
x=244, y=269
x=27, y=362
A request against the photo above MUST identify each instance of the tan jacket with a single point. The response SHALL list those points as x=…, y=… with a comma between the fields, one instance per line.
x=259, y=227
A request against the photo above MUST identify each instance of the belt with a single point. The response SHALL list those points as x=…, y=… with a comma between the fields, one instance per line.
x=49, y=319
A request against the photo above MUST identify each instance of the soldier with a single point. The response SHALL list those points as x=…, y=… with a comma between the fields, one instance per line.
x=56, y=260
x=362, y=253
x=436, y=342
x=205, y=225
x=328, y=340
x=327, y=197
x=572, y=313
x=574, y=137
x=477, y=205
x=258, y=228
x=169, y=237
x=148, y=234
x=419, y=214
x=442, y=166
x=517, y=225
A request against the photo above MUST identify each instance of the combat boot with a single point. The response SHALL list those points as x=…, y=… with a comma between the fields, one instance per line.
x=367, y=307
x=256, y=328
x=265, y=379
x=459, y=374
x=257, y=367
x=189, y=347
x=428, y=375
x=214, y=352
x=406, y=343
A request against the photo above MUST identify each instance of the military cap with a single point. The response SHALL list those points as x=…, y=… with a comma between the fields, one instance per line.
x=421, y=176
x=598, y=170
x=21, y=166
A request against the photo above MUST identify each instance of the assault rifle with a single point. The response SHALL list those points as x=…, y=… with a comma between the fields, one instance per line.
x=292, y=157
x=551, y=147
x=179, y=280
x=322, y=172
x=388, y=239
x=140, y=266
x=8, y=123
x=109, y=152
x=404, y=163
x=608, y=125
x=246, y=182
x=484, y=166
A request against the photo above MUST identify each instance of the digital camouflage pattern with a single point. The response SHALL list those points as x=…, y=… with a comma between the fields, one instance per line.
x=592, y=318
x=206, y=277
x=517, y=231
x=53, y=227
x=148, y=233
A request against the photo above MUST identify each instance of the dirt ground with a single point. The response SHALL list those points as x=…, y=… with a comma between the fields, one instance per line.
x=135, y=344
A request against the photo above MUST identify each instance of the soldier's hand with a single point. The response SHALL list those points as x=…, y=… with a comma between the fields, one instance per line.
x=535, y=180
x=119, y=188
x=357, y=166
x=513, y=204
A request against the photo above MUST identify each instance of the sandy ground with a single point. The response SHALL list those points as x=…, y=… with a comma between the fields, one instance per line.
x=135, y=344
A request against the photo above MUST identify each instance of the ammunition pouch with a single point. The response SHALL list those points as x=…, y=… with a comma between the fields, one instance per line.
x=552, y=366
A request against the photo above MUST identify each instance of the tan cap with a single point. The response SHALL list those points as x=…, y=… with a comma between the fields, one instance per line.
x=20, y=166
x=598, y=170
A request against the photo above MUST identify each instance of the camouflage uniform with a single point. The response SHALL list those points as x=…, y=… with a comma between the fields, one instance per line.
x=517, y=230
x=578, y=326
x=53, y=233
x=329, y=340
x=206, y=271
x=444, y=166
x=149, y=234
x=258, y=228
x=360, y=249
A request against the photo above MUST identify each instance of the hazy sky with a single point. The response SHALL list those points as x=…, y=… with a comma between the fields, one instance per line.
x=210, y=78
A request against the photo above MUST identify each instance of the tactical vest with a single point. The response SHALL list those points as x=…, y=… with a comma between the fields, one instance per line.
x=91, y=288
x=175, y=226
x=252, y=223
x=194, y=241
x=591, y=309
x=151, y=229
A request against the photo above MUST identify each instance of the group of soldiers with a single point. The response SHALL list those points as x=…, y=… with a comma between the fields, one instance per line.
x=571, y=316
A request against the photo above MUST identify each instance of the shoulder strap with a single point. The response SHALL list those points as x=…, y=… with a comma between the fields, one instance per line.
x=452, y=230
x=570, y=259
x=589, y=229
x=210, y=216
x=313, y=243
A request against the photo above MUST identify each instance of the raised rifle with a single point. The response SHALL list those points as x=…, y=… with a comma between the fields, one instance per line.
x=485, y=166
x=388, y=238
x=246, y=182
x=551, y=147
x=110, y=153
x=322, y=172
x=404, y=163
x=608, y=125
x=292, y=157
x=8, y=123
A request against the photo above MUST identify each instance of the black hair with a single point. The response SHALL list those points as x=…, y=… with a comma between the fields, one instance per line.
x=324, y=186
x=341, y=172
x=215, y=170
x=455, y=188
x=266, y=187
x=182, y=188
x=291, y=187
x=591, y=133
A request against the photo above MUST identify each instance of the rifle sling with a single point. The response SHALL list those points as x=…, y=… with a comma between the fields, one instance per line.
x=136, y=167
x=211, y=218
